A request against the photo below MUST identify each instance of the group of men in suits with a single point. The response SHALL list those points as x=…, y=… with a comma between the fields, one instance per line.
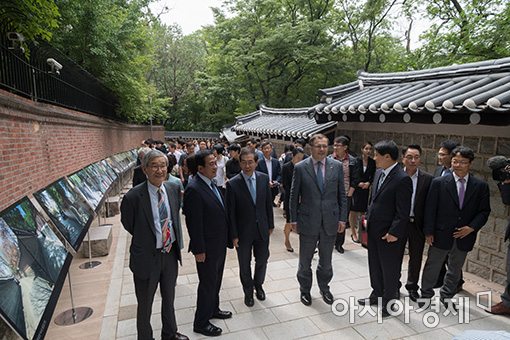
x=406, y=205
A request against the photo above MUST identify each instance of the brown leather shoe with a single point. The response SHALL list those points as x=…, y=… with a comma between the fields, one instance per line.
x=499, y=309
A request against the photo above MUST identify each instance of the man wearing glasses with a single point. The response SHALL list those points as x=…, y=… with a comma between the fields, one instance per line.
x=318, y=210
x=457, y=207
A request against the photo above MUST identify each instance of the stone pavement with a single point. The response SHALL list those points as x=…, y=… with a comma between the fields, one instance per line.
x=109, y=289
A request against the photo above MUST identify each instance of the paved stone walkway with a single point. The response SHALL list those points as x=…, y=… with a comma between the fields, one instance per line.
x=280, y=316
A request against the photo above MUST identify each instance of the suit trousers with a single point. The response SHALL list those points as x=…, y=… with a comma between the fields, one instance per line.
x=340, y=237
x=260, y=249
x=435, y=260
x=416, y=242
x=385, y=265
x=166, y=275
x=307, y=246
x=210, y=274
x=505, y=297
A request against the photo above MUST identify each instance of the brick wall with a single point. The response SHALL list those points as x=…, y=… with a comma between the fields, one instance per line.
x=40, y=143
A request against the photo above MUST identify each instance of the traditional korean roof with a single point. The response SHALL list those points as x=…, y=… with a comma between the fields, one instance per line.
x=476, y=93
x=276, y=122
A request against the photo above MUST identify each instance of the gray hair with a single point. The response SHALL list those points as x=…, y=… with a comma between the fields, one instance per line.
x=149, y=156
x=143, y=151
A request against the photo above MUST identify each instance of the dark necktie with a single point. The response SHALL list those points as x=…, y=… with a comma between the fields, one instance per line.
x=166, y=235
x=216, y=192
x=320, y=178
x=462, y=191
x=381, y=180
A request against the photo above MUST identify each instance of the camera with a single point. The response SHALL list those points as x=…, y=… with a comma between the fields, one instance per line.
x=500, y=166
x=55, y=65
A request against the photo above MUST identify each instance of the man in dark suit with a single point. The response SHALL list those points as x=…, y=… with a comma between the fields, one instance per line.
x=387, y=222
x=271, y=167
x=457, y=207
x=444, y=168
x=150, y=213
x=352, y=172
x=318, y=210
x=250, y=209
x=207, y=222
x=411, y=158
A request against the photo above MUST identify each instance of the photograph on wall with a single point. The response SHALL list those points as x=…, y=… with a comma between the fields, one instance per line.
x=33, y=264
x=114, y=165
x=99, y=181
x=67, y=209
x=81, y=181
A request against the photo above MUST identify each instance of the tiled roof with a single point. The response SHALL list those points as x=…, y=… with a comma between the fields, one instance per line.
x=276, y=122
x=478, y=92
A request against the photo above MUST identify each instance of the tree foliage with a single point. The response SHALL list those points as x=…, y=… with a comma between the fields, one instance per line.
x=272, y=52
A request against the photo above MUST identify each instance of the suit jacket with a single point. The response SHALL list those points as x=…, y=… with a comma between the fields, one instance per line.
x=313, y=209
x=138, y=176
x=206, y=218
x=438, y=171
x=137, y=219
x=443, y=215
x=422, y=188
x=368, y=174
x=389, y=208
x=505, y=197
x=248, y=220
x=355, y=170
x=262, y=167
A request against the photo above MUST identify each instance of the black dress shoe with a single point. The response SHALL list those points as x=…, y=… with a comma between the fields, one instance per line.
x=424, y=302
x=222, y=314
x=306, y=299
x=340, y=249
x=385, y=312
x=208, y=330
x=327, y=297
x=449, y=304
x=179, y=336
x=371, y=301
x=413, y=295
x=248, y=300
x=260, y=294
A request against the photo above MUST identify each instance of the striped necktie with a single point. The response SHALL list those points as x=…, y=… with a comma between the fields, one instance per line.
x=166, y=235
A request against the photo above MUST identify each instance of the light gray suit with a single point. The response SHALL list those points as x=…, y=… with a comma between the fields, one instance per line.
x=317, y=215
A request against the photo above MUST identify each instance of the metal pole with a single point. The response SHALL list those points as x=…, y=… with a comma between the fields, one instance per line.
x=72, y=299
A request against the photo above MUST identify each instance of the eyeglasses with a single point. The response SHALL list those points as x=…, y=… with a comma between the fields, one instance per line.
x=410, y=158
x=157, y=167
x=337, y=145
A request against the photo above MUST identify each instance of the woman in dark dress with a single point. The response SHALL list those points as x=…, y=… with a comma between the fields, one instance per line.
x=287, y=172
x=361, y=193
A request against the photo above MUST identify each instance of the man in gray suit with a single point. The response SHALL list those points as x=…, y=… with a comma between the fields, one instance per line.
x=318, y=210
x=150, y=213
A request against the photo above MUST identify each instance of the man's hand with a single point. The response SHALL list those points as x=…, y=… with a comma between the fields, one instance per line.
x=200, y=257
x=462, y=231
x=390, y=238
x=341, y=227
x=235, y=242
x=429, y=239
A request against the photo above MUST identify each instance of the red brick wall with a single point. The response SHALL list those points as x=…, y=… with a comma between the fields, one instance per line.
x=40, y=143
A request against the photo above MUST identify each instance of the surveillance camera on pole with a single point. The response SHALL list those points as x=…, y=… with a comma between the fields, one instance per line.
x=55, y=65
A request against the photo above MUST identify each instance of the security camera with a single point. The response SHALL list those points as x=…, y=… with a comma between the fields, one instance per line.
x=15, y=36
x=55, y=65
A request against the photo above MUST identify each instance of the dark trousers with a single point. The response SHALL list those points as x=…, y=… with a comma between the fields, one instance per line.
x=384, y=264
x=307, y=245
x=340, y=237
x=210, y=274
x=166, y=276
x=505, y=297
x=260, y=249
x=416, y=241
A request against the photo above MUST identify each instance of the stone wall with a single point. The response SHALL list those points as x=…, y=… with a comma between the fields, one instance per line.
x=40, y=143
x=488, y=257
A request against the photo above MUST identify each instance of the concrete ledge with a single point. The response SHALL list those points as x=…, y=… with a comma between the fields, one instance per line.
x=100, y=241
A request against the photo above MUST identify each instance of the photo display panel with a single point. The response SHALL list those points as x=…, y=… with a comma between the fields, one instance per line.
x=67, y=209
x=82, y=182
x=33, y=265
